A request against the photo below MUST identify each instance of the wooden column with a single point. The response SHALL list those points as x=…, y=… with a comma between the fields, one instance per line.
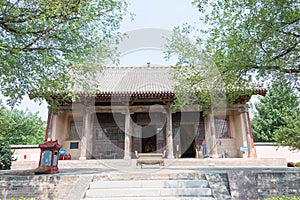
x=128, y=136
x=244, y=132
x=249, y=137
x=207, y=134
x=52, y=126
x=213, y=141
x=252, y=152
x=169, y=136
x=87, y=136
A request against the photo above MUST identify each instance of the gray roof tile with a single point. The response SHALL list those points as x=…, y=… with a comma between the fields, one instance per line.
x=135, y=80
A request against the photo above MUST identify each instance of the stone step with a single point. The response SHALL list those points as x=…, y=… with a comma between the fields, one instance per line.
x=151, y=198
x=149, y=184
x=151, y=175
x=149, y=192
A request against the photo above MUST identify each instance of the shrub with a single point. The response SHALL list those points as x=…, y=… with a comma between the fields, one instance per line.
x=283, y=198
x=5, y=155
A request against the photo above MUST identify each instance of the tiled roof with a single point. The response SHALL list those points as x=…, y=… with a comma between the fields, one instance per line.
x=24, y=146
x=136, y=80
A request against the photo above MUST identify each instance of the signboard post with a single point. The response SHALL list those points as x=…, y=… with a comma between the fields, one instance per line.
x=244, y=150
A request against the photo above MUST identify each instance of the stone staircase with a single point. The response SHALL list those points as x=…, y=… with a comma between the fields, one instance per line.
x=152, y=186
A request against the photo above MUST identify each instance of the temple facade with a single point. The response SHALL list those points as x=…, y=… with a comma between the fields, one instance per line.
x=132, y=111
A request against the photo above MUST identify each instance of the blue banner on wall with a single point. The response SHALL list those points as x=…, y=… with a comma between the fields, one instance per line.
x=62, y=152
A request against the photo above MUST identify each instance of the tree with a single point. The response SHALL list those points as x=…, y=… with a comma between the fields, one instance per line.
x=5, y=155
x=289, y=133
x=43, y=42
x=197, y=73
x=278, y=116
x=21, y=127
x=260, y=36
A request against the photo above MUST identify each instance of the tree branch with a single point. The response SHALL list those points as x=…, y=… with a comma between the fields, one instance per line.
x=8, y=28
x=286, y=51
x=276, y=68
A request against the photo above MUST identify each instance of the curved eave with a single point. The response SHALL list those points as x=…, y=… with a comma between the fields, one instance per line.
x=136, y=94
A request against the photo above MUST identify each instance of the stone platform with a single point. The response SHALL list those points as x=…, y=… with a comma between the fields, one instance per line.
x=206, y=179
x=169, y=163
x=173, y=183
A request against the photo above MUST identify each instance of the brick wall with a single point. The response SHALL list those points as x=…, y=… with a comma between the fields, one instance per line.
x=51, y=187
x=278, y=184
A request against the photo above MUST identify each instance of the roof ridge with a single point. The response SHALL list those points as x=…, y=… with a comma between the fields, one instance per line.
x=137, y=67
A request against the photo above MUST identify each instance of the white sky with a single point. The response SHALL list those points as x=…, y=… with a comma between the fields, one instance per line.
x=157, y=14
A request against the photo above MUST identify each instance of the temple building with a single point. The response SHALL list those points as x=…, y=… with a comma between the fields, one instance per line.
x=132, y=110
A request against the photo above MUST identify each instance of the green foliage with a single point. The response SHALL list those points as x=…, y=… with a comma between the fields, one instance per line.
x=21, y=127
x=22, y=198
x=278, y=116
x=289, y=133
x=200, y=80
x=260, y=36
x=5, y=154
x=283, y=198
x=48, y=45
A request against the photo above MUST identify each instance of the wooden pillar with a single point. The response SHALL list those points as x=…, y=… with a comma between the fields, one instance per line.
x=87, y=137
x=52, y=126
x=169, y=132
x=207, y=134
x=253, y=150
x=244, y=132
x=89, y=134
x=128, y=136
x=249, y=137
x=213, y=141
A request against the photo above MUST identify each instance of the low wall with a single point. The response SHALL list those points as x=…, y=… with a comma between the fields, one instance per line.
x=26, y=152
x=268, y=150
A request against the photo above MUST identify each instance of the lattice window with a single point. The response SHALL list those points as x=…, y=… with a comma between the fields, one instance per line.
x=222, y=127
x=176, y=131
x=75, y=130
x=137, y=133
x=109, y=133
x=160, y=133
x=99, y=134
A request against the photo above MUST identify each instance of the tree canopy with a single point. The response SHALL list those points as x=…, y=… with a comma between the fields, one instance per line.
x=254, y=36
x=44, y=41
x=198, y=74
x=6, y=155
x=278, y=117
x=238, y=44
x=21, y=127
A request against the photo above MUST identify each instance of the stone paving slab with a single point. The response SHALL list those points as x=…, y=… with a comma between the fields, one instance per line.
x=149, y=192
x=79, y=188
x=149, y=184
x=170, y=163
x=151, y=198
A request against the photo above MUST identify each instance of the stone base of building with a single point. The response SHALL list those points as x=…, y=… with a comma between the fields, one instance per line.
x=170, y=163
